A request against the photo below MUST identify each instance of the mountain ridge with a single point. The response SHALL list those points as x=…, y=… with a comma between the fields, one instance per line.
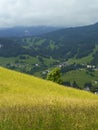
x=23, y=31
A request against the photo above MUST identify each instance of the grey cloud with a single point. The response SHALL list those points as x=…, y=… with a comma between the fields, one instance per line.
x=48, y=12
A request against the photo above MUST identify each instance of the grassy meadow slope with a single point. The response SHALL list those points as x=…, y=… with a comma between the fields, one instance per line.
x=30, y=103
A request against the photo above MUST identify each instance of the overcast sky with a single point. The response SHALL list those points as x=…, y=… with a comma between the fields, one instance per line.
x=48, y=12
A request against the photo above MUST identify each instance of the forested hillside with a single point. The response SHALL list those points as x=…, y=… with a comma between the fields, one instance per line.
x=70, y=49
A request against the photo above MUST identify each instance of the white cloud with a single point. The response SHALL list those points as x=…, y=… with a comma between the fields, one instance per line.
x=48, y=12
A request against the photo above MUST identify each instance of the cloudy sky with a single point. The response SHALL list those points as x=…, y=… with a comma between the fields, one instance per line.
x=48, y=12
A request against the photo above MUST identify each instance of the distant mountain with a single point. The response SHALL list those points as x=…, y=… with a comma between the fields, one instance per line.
x=74, y=41
x=65, y=43
x=25, y=31
x=74, y=34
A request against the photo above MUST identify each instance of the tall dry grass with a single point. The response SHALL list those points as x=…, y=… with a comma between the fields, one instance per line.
x=29, y=103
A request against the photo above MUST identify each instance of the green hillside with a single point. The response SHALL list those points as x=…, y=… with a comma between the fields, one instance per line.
x=30, y=103
x=81, y=77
